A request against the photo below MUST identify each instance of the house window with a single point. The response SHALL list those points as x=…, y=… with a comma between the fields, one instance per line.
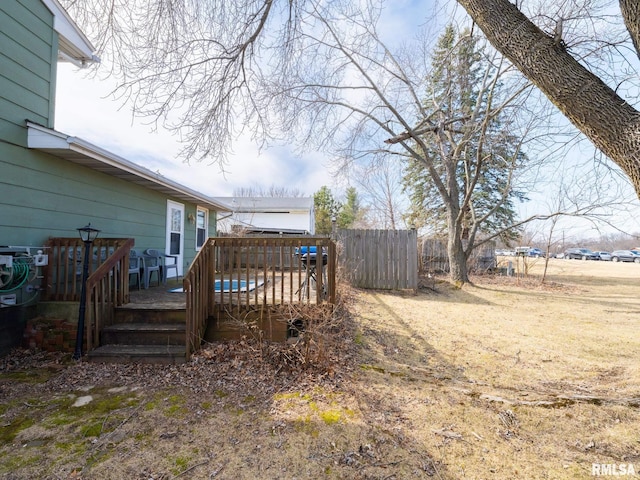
x=202, y=222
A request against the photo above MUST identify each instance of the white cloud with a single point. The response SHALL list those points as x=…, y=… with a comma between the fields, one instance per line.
x=85, y=110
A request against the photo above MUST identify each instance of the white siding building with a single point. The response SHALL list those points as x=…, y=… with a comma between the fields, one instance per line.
x=274, y=215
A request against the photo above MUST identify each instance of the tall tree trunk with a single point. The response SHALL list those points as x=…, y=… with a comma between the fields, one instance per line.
x=595, y=109
x=457, y=259
x=631, y=13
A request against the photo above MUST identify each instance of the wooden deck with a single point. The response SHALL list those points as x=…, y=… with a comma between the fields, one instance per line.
x=273, y=291
x=158, y=297
x=266, y=281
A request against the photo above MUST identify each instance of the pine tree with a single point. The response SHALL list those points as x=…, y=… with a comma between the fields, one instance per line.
x=326, y=209
x=460, y=184
x=350, y=212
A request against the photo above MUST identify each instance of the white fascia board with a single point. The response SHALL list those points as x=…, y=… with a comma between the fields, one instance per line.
x=69, y=31
x=42, y=137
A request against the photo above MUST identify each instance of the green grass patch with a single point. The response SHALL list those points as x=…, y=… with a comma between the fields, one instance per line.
x=292, y=396
x=92, y=430
x=176, y=406
x=12, y=463
x=181, y=464
x=108, y=404
x=8, y=432
x=331, y=417
x=27, y=376
x=72, y=448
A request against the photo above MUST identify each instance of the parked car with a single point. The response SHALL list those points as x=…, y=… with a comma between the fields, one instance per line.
x=625, y=256
x=580, y=254
x=604, y=256
x=535, y=253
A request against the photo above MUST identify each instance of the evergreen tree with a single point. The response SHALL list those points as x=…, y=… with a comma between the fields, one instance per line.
x=350, y=212
x=326, y=209
x=460, y=183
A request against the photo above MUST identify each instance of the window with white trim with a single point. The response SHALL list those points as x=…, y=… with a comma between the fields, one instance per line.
x=202, y=227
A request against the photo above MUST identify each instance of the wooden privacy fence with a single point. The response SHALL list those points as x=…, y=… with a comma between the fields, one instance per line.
x=384, y=259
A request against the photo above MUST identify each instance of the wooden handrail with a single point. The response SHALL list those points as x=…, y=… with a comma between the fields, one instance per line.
x=107, y=287
x=196, y=283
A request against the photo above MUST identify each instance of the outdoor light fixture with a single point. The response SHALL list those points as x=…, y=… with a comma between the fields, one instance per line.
x=88, y=235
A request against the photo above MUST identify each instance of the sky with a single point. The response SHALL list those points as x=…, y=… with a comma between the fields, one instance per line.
x=85, y=109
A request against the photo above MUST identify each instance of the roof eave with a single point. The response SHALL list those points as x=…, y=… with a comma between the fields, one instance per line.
x=74, y=46
x=84, y=153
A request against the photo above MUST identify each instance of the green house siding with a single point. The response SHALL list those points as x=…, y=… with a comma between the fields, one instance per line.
x=46, y=196
x=28, y=55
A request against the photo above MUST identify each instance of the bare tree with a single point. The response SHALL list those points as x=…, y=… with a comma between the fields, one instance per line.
x=201, y=66
x=328, y=79
x=272, y=192
x=546, y=58
x=381, y=184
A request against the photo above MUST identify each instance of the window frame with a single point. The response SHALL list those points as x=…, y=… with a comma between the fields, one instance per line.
x=205, y=212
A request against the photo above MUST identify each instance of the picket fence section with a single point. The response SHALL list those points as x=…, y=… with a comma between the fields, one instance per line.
x=379, y=259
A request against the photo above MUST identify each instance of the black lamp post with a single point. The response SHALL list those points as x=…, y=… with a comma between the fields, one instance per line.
x=88, y=235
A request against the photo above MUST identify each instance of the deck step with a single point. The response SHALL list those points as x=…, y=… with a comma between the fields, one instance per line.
x=149, y=315
x=159, y=354
x=144, y=333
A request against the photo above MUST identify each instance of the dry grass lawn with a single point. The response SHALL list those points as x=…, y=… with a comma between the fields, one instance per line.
x=505, y=379
x=510, y=378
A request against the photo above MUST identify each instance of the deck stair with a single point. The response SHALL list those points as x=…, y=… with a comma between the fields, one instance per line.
x=143, y=334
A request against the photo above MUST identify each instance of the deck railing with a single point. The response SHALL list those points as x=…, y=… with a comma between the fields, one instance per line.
x=196, y=283
x=107, y=284
x=226, y=273
x=250, y=272
x=107, y=288
x=63, y=274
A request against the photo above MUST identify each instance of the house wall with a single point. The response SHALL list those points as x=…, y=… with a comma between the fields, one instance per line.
x=28, y=55
x=46, y=196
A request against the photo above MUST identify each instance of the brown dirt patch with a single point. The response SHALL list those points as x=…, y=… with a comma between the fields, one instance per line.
x=505, y=378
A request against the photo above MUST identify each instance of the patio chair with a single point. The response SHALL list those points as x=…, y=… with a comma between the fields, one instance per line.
x=75, y=257
x=136, y=264
x=165, y=266
x=152, y=263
